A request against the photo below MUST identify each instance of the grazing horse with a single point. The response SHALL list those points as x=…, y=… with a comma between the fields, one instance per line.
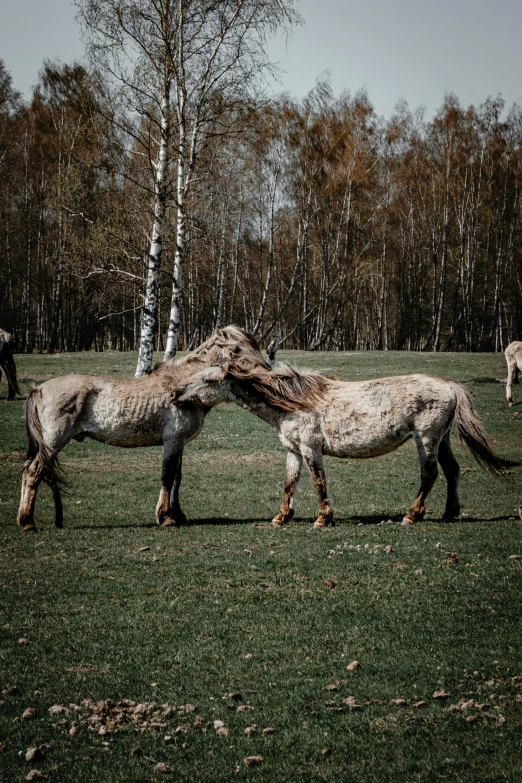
x=316, y=414
x=514, y=362
x=126, y=412
x=8, y=365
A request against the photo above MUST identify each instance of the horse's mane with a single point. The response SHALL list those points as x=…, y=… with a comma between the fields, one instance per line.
x=228, y=336
x=221, y=345
x=286, y=387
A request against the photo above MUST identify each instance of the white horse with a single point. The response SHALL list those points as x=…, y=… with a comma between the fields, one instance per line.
x=315, y=415
x=514, y=363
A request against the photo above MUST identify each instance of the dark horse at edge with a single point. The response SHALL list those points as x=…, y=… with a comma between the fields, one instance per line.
x=7, y=364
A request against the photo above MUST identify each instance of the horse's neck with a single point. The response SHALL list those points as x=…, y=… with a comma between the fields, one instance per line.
x=180, y=370
x=262, y=410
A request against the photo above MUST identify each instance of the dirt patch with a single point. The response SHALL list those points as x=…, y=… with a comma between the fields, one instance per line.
x=108, y=717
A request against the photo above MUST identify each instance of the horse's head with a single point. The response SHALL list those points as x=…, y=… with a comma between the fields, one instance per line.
x=227, y=344
x=204, y=389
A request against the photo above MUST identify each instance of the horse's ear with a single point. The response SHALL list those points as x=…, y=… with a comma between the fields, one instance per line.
x=272, y=349
x=219, y=333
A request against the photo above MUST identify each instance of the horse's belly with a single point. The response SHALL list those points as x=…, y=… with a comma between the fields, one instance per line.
x=118, y=425
x=126, y=439
x=372, y=440
x=364, y=451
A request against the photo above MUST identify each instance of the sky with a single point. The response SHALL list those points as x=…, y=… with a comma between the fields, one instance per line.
x=395, y=49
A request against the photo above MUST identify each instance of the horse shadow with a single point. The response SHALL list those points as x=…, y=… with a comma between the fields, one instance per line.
x=375, y=520
x=200, y=522
x=124, y=526
x=484, y=379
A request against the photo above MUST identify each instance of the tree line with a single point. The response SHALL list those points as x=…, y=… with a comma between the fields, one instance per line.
x=315, y=218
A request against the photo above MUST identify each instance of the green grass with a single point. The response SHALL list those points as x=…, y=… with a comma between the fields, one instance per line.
x=115, y=608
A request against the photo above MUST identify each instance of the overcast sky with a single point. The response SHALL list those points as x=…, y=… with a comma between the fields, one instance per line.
x=412, y=49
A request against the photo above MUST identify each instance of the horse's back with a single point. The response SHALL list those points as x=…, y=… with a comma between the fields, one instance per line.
x=406, y=391
x=65, y=394
x=513, y=353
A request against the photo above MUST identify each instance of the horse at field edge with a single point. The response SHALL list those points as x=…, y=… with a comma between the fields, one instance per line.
x=127, y=412
x=513, y=354
x=8, y=365
x=318, y=415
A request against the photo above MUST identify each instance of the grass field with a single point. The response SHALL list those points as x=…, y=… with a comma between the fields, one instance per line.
x=138, y=639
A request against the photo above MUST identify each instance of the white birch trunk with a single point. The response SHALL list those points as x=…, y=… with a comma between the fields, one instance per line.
x=150, y=304
x=175, y=303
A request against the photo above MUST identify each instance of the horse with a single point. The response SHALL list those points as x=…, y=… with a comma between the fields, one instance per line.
x=317, y=414
x=8, y=365
x=127, y=412
x=513, y=355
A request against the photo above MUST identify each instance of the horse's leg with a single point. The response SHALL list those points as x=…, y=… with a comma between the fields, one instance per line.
x=294, y=463
x=314, y=462
x=168, y=514
x=58, y=505
x=451, y=470
x=9, y=367
x=178, y=514
x=31, y=478
x=427, y=451
x=10, y=391
x=512, y=378
x=12, y=387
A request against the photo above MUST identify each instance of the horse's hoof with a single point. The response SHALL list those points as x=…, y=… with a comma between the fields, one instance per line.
x=324, y=522
x=27, y=528
x=168, y=522
x=448, y=518
x=282, y=519
x=407, y=521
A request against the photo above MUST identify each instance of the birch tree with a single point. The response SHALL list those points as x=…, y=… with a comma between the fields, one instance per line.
x=189, y=67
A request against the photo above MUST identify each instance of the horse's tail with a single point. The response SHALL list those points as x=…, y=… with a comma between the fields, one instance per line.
x=9, y=367
x=472, y=433
x=50, y=470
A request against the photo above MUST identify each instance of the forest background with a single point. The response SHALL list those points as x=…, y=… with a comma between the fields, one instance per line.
x=317, y=218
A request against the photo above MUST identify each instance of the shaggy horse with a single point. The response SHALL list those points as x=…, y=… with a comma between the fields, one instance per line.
x=125, y=412
x=317, y=414
x=8, y=365
x=514, y=362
